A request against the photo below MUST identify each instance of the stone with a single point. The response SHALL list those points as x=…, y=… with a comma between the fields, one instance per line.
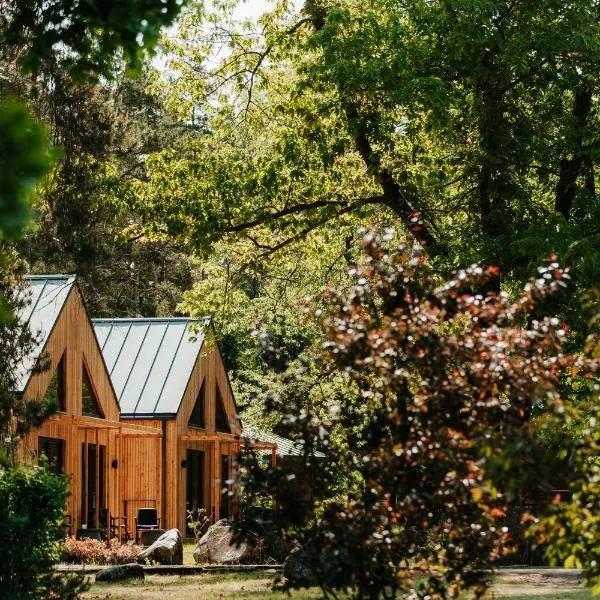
x=166, y=550
x=121, y=572
x=216, y=545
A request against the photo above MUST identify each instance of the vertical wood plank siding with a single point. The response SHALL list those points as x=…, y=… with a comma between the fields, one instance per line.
x=136, y=479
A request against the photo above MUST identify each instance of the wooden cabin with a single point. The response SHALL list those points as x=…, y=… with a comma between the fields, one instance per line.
x=84, y=438
x=146, y=417
x=168, y=376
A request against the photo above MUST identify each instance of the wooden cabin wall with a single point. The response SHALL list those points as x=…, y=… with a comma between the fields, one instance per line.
x=74, y=337
x=210, y=369
x=141, y=472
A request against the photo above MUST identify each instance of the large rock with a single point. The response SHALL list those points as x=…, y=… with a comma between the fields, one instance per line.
x=166, y=550
x=217, y=545
x=121, y=572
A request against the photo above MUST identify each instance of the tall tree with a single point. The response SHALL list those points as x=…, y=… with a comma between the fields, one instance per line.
x=464, y=121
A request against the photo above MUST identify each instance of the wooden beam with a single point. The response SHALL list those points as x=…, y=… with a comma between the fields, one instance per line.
x=210, y=437
x=86, y=477
x=107, y=486
x=217, y=479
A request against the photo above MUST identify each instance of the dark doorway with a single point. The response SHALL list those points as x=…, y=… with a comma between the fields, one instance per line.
x=194, y=497
x=224, y=487
x=54, y=450
x=93, y=484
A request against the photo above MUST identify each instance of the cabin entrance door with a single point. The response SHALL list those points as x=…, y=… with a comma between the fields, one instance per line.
x=194, y=497
x=93, y=483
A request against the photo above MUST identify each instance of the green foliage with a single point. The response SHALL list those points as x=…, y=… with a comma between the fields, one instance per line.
x=86, y=37
x=25, y=157
x=32, y=504
x=480, y=116
x=448, y=380
x=17, y=343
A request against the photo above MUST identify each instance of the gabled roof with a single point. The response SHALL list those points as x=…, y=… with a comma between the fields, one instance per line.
x=285, y=447
x=150, y=361
x=47, y=295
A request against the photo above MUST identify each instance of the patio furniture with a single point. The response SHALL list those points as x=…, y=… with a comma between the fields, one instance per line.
x=147, y=519
x=67, y=525
x=118, y=525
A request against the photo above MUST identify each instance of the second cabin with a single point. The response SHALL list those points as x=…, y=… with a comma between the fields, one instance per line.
x=168, y=375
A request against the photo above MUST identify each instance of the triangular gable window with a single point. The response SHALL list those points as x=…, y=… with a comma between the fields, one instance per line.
x=197, y=416
x=221, y=419
x=90, y=407
x=56, y=388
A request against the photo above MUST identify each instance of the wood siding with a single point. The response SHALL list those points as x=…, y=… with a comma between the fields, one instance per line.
x=144, y=458
x=73, y=337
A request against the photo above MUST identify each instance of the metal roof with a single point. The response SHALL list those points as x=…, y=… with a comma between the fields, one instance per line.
x=285, y=447
x=46, y=295
x=150, y=361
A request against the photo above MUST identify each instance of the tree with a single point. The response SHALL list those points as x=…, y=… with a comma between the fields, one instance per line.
x=84, y=38
x=83, y=222
x=471, y=123
x=456, y=388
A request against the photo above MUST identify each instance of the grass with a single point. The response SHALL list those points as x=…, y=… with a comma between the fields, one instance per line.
x=257, y=586
x=188, y=553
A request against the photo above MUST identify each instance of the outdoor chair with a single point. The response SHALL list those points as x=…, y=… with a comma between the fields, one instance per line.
x=67, y=525
x=118, y=525
x=147, y=518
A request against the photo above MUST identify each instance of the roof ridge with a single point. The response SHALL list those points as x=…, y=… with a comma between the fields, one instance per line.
x=144, y=319
x=50, y=276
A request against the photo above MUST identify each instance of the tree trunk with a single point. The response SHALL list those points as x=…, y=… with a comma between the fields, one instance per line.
x=570, y=168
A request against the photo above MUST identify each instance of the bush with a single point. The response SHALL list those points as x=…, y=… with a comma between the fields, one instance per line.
x=98, y=553
x=32, y=504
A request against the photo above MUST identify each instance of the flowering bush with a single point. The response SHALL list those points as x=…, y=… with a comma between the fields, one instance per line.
x=98, y=552
x=459, y=391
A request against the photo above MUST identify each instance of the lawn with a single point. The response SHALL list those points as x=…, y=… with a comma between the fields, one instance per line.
x=258, y=586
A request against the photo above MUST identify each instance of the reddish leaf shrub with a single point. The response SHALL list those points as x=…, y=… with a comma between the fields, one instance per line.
x=451, y=380
x=98, y=552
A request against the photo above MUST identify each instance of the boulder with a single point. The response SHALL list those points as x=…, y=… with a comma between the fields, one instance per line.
x=166, y=550
x=121, y=572
x=216, y=545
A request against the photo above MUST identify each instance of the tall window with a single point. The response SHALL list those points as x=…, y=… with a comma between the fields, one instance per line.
x=90, y=407
x=221, y=419
x=56, y=388
x=197, y=416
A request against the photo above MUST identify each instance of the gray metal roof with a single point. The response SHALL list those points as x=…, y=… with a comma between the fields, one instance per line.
x=46, y=295
x=150, y=361
x=285, y=447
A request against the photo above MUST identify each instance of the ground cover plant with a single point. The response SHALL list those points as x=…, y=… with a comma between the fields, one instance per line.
x=463, y=407
x=89, y=551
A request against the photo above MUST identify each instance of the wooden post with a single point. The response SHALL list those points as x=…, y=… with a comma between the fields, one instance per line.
x=273, y=463
x=86, y=477
x=97, y=483
x=108, y=488
x=119, y=476
x=217, y=479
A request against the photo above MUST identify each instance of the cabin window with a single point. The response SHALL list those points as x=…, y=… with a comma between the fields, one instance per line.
x=197, y=416
x=221, y=419
x=54, y=450
x=90, y=407
x=56, y=388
